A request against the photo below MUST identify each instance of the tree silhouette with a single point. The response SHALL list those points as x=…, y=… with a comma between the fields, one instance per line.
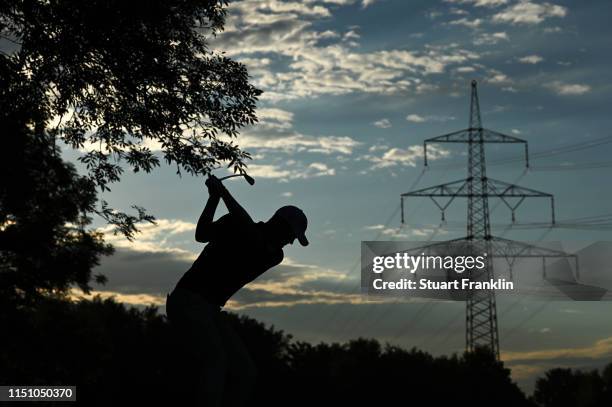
x=562, y=387
x=362, y=372
x=115, y=77
x=45, y=245
x=111, y=353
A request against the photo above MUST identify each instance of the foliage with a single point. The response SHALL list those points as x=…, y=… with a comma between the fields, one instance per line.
x=45, y=243
x=574, y=388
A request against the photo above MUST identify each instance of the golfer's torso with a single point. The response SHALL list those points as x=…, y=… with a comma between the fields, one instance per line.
x=230, y=262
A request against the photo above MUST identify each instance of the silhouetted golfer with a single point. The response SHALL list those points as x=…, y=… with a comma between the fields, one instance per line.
x=238, y=251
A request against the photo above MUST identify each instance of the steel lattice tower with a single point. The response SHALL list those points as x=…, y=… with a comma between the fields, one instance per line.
x=481, y=308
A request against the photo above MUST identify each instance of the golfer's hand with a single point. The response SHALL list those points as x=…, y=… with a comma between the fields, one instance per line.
x=215, y=186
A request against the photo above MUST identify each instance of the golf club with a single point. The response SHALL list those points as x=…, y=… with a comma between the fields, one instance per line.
x=248, y=178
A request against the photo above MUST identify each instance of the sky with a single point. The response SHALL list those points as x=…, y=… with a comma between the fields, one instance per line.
x=351, y=90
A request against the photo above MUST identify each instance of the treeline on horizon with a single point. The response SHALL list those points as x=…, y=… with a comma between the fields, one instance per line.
x=114, y=353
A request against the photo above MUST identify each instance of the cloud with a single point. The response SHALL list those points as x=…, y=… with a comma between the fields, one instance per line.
x=465, y=69
x=310, y=63
x=378, y=147
x=600, y=349
x=275, y=118
x=531, y=59
x=458, y=12
x=426, y=232
x=491, y=38
x=294, y=7
x=434, y=14
x=351, y=34
x=319, y=169
x=312, y=170
x=479, y=3
x=129, y=299
x=415, y=118
x=296, y=142
x=153, y=237
x=526, y=365
x=374, y=227
x=398, y=156
x=269, y=171
x=527, y=12
x=382, y=123
x=568, y=88
x=544, y=330
x=497, y=77
x=254, y=63
x=275, y=132
x=404, y=157
x=291, y=284
x=467, y=22
x=255, y=11
x=366, y=3
x=405, y=231
x=142, y=275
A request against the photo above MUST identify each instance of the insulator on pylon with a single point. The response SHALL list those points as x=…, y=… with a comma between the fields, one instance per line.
x=513, y=217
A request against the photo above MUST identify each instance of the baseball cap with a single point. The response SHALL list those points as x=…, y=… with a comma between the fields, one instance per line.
x=296, y=218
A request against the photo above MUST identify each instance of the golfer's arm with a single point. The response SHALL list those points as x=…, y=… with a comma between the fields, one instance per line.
x=234, y=207
x=204, y=227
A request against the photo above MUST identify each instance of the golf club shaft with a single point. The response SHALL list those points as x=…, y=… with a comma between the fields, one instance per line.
x=231, y=176
x=248, y=179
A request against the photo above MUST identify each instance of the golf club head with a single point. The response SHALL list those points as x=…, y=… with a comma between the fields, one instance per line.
x=249, y=179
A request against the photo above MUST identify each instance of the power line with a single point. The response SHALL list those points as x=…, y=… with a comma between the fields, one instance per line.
x=543, y=154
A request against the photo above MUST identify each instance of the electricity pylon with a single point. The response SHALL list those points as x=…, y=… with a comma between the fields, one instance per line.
x=481, y=309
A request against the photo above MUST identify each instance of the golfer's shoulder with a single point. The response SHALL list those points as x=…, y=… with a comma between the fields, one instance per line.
x=236, y=228
x=230, y=220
